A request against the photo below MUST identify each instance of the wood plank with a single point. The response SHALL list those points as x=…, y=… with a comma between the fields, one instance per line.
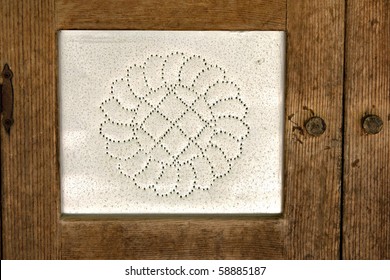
x=366, y=223
x=28, y=154
x=173, y=238
x=172, y=14
x=313, y=164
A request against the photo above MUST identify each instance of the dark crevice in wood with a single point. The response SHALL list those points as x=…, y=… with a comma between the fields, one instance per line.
x=343, y=134
x=1, y=199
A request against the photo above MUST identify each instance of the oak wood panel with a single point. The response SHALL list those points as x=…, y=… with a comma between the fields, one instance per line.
x=172, y=14
x=313, y=164
x=173, y=238
x=28, y=154
x=366, y=219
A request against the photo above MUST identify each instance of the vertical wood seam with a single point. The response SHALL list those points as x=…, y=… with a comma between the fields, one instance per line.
x=343, y=132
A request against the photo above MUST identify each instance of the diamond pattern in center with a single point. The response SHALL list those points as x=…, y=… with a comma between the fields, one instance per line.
x=191, y=124
x=174, y=141
x=156, y=125
x=172, y=107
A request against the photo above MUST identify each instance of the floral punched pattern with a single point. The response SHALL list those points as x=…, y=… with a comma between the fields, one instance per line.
x=174, y=125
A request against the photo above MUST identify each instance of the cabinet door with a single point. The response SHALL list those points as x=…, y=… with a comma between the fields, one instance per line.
x=309, y=226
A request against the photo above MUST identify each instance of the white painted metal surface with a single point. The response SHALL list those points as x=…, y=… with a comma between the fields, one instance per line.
x=171, y=121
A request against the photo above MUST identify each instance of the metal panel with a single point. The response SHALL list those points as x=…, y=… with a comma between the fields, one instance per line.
x=171, y=121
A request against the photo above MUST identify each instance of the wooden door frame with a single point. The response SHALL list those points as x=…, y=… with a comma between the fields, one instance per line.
x=309, y=228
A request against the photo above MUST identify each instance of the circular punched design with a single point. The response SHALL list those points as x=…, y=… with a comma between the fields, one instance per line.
x=372, y=124
x=174, y=124
x=315, y=126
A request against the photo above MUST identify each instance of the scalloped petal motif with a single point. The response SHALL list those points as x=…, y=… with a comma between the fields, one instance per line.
x=172, y=125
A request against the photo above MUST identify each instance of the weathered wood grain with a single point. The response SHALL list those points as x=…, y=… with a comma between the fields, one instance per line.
x=173, y=238
x=313, y=164
x=172, y=14
x=366, y=219
x=28, y=155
